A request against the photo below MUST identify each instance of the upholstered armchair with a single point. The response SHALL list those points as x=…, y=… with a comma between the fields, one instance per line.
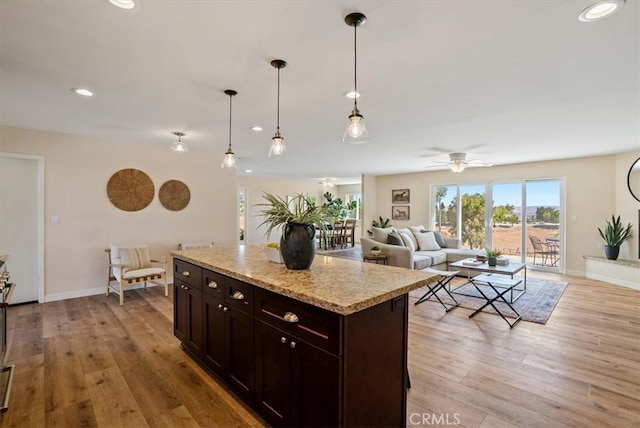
x=130, y=265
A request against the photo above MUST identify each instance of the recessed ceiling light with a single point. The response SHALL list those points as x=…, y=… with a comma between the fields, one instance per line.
x=248, y=171
x=352, y=94
x=125, y=4
x=83, y=91
x=600, y=10
x=256, y=128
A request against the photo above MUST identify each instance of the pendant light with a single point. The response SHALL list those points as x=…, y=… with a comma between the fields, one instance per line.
x=277, y=142
x=356, y=132
x=179, y=146
x=229, y=157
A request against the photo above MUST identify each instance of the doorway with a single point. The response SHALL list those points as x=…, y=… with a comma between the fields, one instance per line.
x=22, y=225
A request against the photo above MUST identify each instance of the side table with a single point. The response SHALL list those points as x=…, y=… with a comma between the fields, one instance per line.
x=382, y=259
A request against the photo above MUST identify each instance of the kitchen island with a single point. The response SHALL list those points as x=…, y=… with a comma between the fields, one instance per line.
x=325, y=346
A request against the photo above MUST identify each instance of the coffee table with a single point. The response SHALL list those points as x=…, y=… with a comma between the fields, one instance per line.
x=511, y=269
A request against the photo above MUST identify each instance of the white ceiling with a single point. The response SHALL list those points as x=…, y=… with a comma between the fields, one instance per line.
x=506, y=81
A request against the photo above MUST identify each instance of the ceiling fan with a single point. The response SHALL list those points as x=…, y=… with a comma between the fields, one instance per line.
x=458, y=162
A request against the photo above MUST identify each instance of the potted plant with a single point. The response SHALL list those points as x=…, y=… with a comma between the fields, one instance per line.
x=492, y=255
x=614, y=235
x=298, y=218
x=375, y=250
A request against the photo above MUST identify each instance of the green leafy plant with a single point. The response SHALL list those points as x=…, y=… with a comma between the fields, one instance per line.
x=339, y=209
x=382, y=223
x=301, y=209
x=492, y=254
x=375, y=248
x=615, y=233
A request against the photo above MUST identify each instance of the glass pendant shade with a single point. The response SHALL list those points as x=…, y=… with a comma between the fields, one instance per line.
x=277, y=145
x=179, y=146
x=356, y=132
x=230, y=159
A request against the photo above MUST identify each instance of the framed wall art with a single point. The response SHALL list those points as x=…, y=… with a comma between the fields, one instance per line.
x=400, y=196
x=400, y=212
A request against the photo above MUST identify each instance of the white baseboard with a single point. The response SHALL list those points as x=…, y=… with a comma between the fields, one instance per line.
x=615, y=281
x=95, y=291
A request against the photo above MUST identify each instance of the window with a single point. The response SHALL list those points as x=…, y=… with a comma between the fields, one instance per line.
x=349, y=199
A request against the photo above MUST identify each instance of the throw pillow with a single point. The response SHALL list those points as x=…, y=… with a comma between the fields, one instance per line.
x=417, y=229
x=381, y=234
x=394, y=238
x=408, y=242
x=427, y=242
x=410, y=235
x=135, y=258
x=439, y=238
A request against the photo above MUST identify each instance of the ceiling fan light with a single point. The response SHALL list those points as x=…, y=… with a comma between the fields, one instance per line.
x=457, y=166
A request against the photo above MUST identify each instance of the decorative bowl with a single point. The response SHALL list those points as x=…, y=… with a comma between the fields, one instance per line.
x=273, y=254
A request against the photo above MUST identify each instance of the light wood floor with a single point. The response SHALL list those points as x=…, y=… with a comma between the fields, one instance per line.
x=89, y=362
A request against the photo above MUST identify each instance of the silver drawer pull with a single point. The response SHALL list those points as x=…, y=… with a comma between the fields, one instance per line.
x=213, y=284
x=292, y=344
x=225, y=309
x=186, y=273
x=290, y=317
x=220, y=306
x=283, y=340
x=238, y=295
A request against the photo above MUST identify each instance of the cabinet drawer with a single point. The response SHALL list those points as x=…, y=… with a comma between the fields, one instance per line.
x=239, y=295
x=187, y=273
x=213, y=283
x=316, y=326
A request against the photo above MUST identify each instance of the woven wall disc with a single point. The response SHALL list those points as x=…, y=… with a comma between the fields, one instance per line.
x=174, y=195
x=130, y=189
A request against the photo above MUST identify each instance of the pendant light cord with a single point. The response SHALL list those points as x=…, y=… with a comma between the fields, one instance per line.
x=355, y=65
x=278, y=109
x=230, y=101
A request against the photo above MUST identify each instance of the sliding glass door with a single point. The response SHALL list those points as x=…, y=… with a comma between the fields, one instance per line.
x=522, y=219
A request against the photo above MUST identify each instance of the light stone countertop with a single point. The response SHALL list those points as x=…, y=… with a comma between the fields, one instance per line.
x=622, y=262
x=338, y=285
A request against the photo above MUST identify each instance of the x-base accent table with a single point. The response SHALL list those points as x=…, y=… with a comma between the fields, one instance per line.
x=511, y=269
x=490, y=278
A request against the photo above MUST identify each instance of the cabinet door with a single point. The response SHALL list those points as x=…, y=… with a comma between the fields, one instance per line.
x=180, y=311
x=240, y=358
x=195, y=336
x=315, y=386
x=214, y=341
x=272, y=374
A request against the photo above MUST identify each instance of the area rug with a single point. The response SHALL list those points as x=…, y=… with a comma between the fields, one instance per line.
x=536, y=305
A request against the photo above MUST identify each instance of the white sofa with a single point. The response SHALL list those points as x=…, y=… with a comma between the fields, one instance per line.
x=413, y=256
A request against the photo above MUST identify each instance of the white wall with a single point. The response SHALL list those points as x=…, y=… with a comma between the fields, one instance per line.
x=595, y=189
x=77, y=170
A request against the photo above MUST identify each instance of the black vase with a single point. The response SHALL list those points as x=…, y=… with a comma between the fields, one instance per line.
x=611, y=252
x=492, y=261
x=298, y=245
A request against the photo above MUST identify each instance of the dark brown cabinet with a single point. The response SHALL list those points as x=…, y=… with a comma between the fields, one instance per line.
x=296, y=364
x=228, y=331
x=187, y=310
x=297, y=384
